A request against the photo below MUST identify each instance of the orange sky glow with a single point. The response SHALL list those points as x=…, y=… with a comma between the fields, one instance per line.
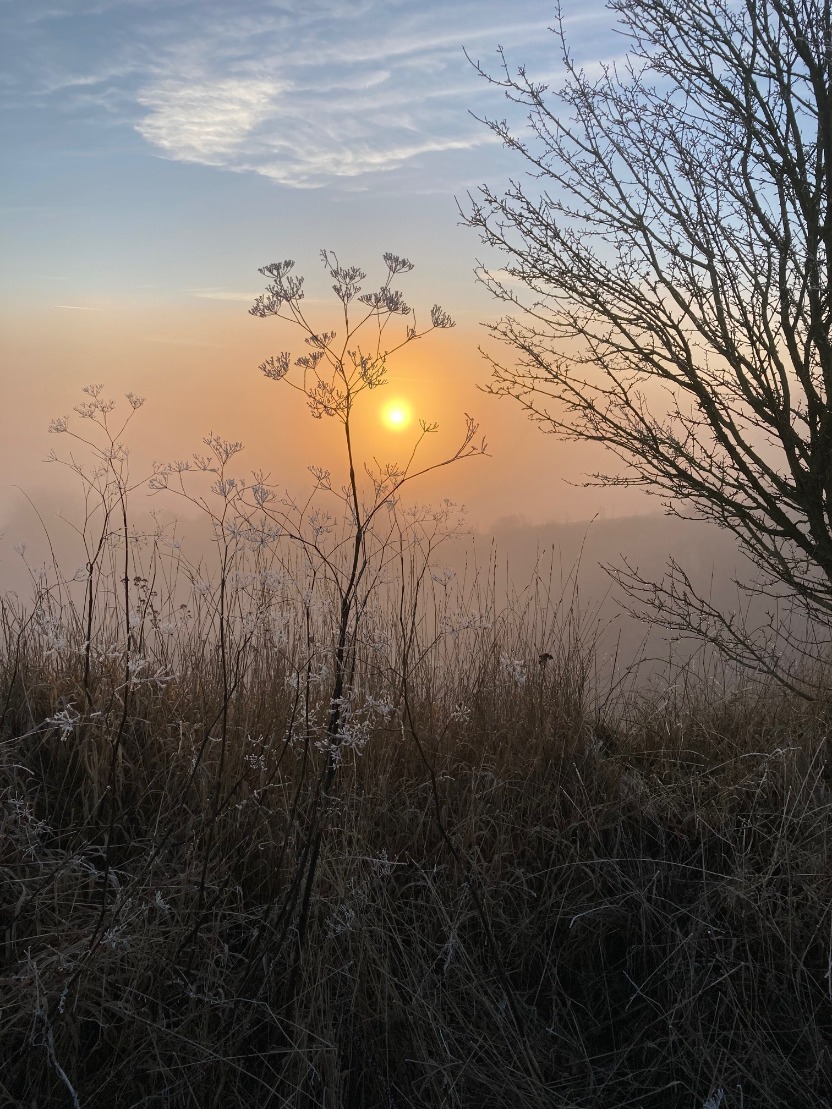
x=197, y=366
x=140, y=203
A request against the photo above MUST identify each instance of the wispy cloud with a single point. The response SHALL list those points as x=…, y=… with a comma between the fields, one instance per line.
x=206, y=122
x=341, y=108
x=222, y=294
x=77, y=307
x=305, y=92
x=309, y=93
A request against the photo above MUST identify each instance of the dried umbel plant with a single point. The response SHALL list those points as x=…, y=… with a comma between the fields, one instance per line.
x=339, y=367
x=353, y=531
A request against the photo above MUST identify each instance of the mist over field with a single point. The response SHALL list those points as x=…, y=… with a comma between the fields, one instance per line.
x=514, y=558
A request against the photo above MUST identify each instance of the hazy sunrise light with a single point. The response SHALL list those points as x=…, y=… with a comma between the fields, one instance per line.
x=396, y=415
x=160, y=153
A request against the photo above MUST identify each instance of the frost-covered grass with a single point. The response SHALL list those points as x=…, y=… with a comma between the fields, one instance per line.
x=524, y=894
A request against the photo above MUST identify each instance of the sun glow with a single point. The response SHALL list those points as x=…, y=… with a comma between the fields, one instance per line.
x=396, y=415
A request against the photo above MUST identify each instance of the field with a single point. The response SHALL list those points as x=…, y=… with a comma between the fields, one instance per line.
x=501, y=882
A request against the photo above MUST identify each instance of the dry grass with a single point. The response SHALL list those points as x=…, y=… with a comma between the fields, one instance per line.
x=517, y=902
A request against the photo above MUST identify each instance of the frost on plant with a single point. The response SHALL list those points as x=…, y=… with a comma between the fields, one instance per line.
x=514, y=669
x=66, y=720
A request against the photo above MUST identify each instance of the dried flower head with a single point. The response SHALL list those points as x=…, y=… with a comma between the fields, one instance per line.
x=277, y=366
x=440, y=318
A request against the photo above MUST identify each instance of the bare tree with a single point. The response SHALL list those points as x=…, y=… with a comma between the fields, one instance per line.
x=671, y=256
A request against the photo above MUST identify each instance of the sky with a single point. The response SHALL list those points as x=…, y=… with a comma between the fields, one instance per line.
x=157, y=152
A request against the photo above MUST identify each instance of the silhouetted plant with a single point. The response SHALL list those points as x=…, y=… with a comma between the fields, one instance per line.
x=333, y=376
x=350, y=550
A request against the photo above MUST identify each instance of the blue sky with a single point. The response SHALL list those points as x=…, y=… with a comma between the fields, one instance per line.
x=148, y=138
x=158, y=151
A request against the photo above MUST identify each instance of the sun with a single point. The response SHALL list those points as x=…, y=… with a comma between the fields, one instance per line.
x=396, y=415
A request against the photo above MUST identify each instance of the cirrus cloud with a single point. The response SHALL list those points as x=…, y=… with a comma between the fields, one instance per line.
x=206, y=122
x=304, y=92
